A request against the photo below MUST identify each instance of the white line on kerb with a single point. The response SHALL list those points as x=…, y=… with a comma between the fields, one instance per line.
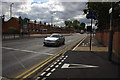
x=78, y=44
x=24, y=50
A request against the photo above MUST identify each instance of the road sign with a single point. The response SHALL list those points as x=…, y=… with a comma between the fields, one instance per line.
x=110, y=10
x=90, y=15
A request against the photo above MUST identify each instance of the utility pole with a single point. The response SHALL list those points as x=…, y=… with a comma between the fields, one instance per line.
x=11, y=9
x=110, y=33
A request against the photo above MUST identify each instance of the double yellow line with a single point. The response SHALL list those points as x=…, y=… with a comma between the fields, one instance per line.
x=43, y=63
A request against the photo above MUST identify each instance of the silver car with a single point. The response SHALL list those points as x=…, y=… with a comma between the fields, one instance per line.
x=54, y=39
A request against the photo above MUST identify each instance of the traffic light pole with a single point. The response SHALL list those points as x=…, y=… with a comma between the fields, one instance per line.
x=91, y=37
x=110, y=36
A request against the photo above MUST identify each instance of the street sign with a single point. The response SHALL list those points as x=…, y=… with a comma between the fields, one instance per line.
x=110, y=10
x=90, y=15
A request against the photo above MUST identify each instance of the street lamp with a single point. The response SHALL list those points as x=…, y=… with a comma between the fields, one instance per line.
x=11, y=9
x=52, y=18
x=110, y=33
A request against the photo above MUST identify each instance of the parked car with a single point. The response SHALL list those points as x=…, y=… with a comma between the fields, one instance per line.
x=54, y=39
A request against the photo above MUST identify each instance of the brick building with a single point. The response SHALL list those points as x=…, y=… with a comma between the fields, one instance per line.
x=13, y=22
x=32, y=27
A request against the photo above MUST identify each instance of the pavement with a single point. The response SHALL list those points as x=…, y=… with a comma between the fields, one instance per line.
x=82, y=64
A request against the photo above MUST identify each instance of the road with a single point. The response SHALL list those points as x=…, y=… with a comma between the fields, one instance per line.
x=21, y=55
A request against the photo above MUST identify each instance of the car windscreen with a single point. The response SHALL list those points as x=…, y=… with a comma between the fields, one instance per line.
x=57, y=36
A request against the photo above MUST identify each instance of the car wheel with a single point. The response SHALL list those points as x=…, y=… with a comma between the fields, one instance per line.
x=63, y=42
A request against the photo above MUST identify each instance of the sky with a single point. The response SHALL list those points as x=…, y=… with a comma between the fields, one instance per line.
x=45, y=10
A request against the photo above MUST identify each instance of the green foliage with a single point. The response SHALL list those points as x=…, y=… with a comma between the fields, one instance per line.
x=82, y=25
x=101, y=12
x=75, y=25
x=11, y=30
x=69, y=24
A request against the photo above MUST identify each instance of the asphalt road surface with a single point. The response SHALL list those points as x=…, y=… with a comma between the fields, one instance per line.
x=20, y=55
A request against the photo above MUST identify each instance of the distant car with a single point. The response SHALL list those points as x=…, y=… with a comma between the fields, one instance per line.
x=54, y=39
x=82, y=31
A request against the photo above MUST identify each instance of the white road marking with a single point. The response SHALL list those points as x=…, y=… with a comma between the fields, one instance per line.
x=51, y=65
x=55, y=63
x=62, y=60
x=58, y=60
x=78, y=44
x=43, y=73
x=60, y=63
x=37, y=78
x=0, y=77
x=48, y=69
x=66, y=56
x=44, y=78
x=25, y=50
x=65, y=66
x=53, y=70
x=78, y=66
x=48, y=74
x=57, y=66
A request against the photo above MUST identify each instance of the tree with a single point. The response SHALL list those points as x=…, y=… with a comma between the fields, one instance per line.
x=82, y=26
x=101, y=13
x=68, y=24
x=76, y=24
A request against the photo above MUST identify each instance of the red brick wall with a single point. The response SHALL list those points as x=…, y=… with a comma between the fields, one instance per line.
x=104, y=38
x=11, y=23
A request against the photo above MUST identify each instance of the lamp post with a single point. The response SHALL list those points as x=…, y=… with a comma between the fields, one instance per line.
x=52, y=18
x=110, y=34
x=11, y=9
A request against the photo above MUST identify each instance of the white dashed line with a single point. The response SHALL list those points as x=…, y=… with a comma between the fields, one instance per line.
x=48, y=69
x=43, y=73
x=53, y=70
x=66, y=56
x=48, y=74
x=58, y=60
x=55, y=63
x=60, y=63
x=57, y=66
x=62, y=60
x=37, y=78
x=44, y=78
x=51, y=65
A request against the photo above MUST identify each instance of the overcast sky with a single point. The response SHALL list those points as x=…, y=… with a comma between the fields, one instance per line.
x=43, y=10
